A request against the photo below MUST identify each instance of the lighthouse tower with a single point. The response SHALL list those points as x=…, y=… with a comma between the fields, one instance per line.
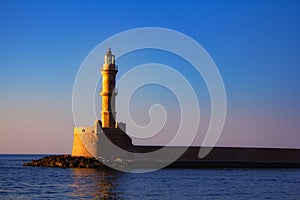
x=89, y=141
x=108, y=93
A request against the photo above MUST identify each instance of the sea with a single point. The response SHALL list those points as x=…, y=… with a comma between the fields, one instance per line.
x=20, y=182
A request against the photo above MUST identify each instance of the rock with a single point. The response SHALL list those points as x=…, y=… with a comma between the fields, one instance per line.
x=66, y=161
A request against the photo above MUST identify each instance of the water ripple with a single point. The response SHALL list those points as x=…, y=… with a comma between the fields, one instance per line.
x=18, y=182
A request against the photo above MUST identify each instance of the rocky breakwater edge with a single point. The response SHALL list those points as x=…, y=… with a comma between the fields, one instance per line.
x=66, y=161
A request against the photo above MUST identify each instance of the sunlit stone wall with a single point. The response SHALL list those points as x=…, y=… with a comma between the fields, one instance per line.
x=85, y=142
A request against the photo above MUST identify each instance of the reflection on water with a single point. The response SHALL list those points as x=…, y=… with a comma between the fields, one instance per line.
x=18, y=182
x=95, y=183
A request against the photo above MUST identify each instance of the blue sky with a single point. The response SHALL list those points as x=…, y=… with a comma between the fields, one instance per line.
x=255, y=45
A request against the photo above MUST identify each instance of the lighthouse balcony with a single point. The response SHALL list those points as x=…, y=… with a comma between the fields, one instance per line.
x=107, y=67
x=113, y=93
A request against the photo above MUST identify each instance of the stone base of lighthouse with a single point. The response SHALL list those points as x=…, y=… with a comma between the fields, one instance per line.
x=90, y=141
x=84, y=142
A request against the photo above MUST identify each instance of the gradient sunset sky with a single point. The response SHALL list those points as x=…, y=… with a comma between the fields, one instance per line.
x=255, y=45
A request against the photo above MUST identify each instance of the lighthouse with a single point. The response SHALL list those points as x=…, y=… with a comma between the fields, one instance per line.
x=109, y=92
x=89, y=140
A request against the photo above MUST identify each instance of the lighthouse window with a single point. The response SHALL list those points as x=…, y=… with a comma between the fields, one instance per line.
x=83, y=130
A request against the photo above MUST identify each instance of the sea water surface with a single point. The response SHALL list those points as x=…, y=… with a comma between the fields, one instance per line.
x=19, y=182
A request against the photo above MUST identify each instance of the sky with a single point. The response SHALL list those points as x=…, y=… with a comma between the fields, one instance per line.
x=255, y=45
